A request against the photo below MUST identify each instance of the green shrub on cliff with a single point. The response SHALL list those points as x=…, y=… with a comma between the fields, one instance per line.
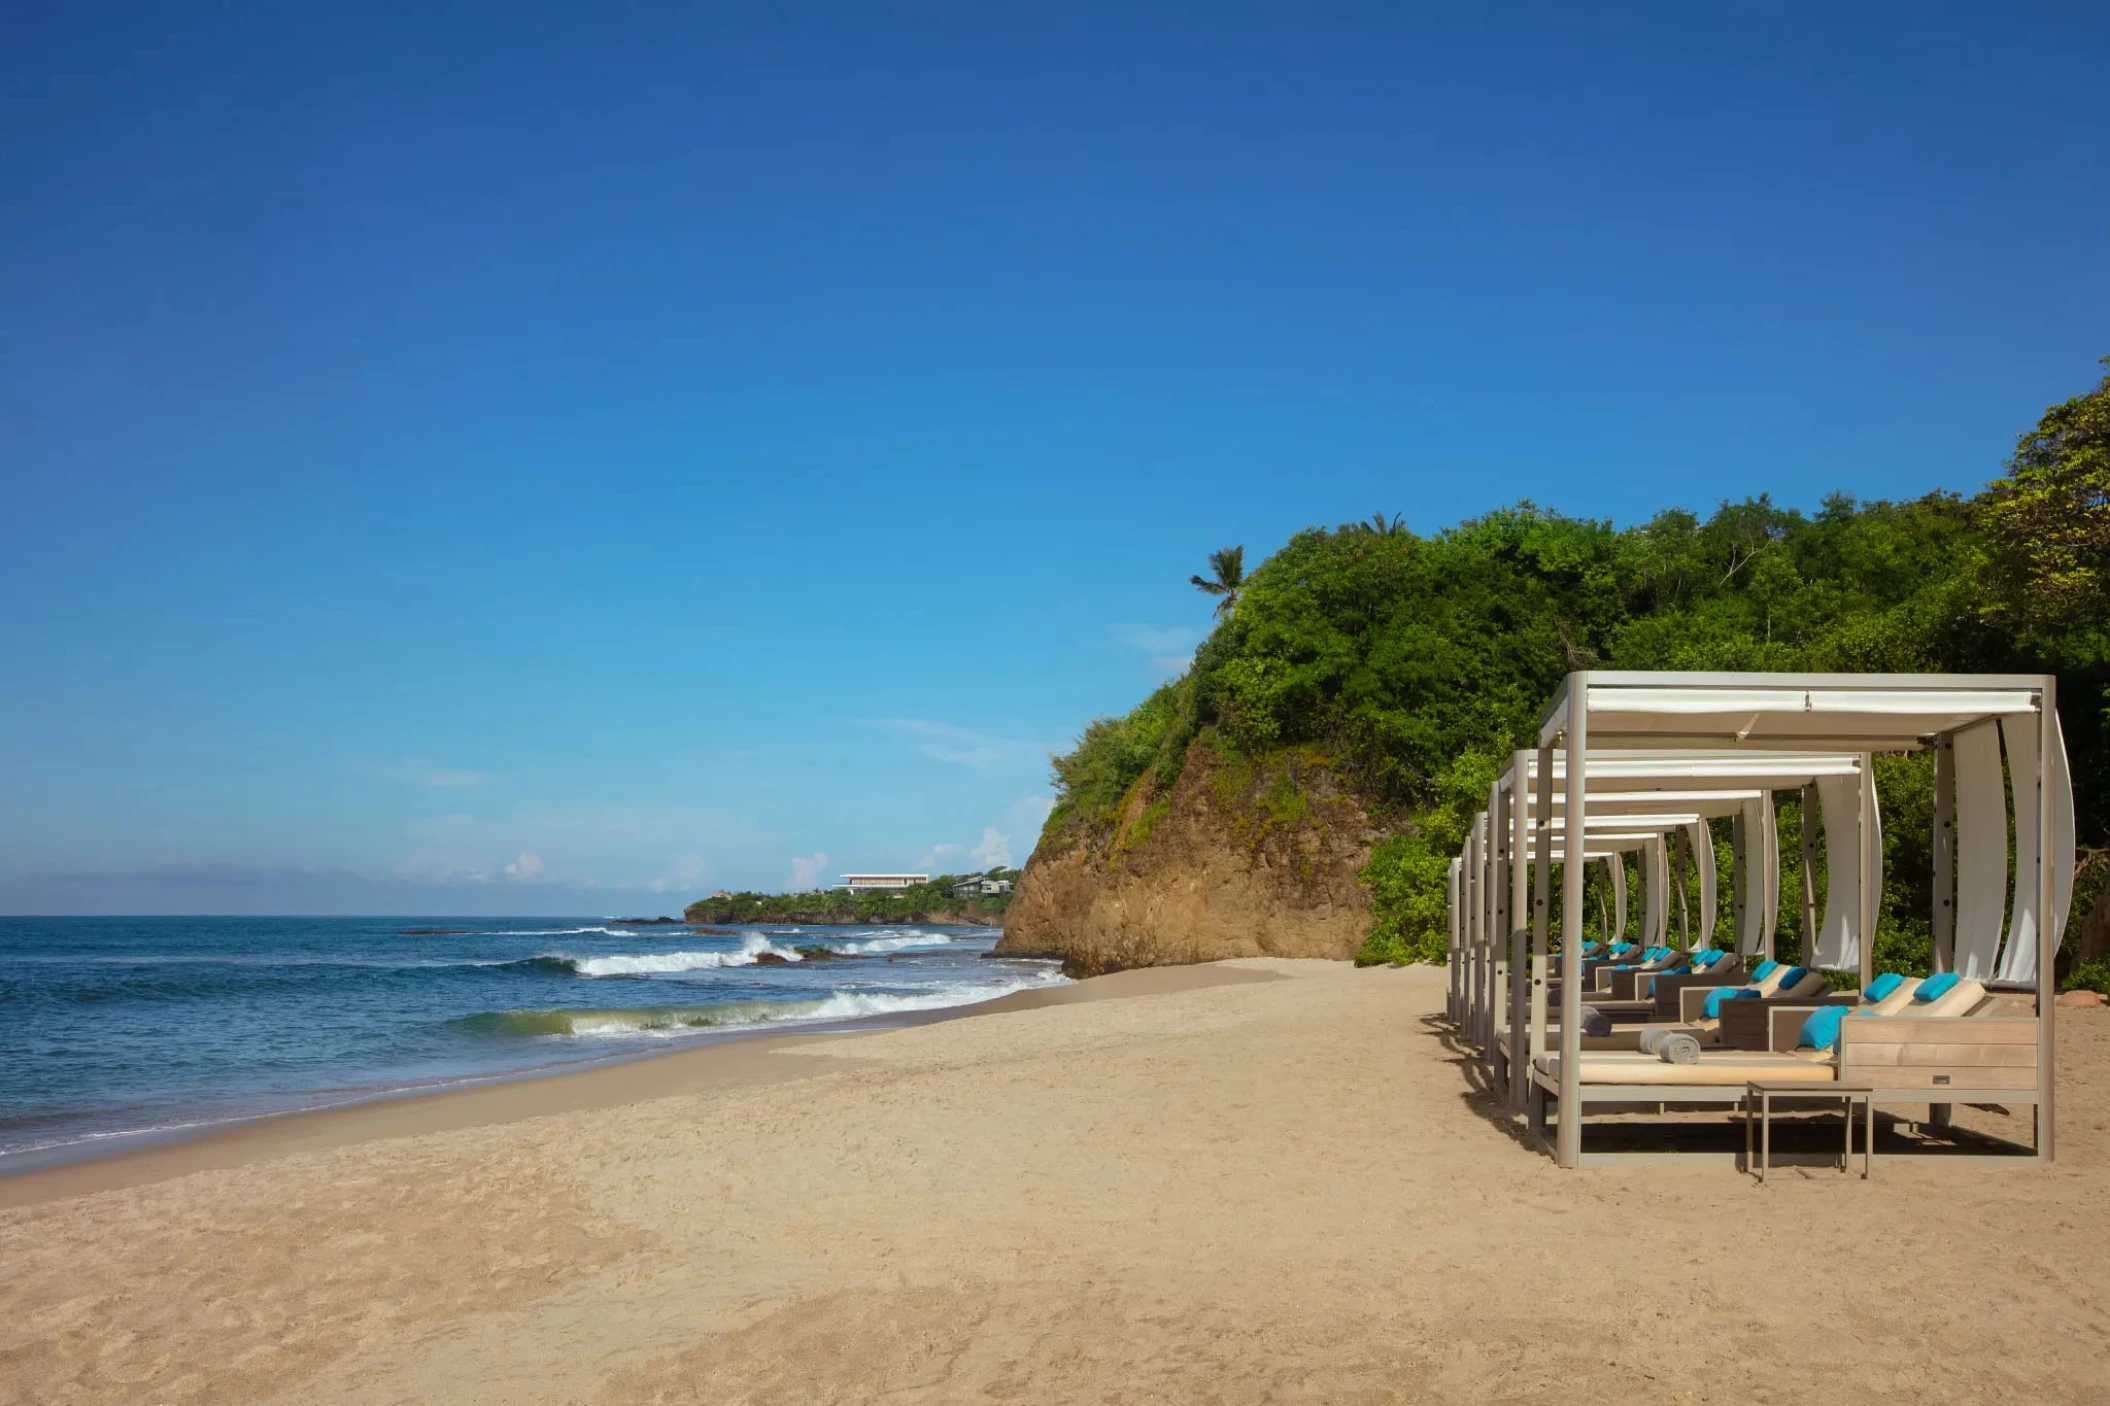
x=944, y=893
x=1415, y=663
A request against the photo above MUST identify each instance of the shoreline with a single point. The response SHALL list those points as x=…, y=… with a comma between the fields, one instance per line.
x=723, y=1060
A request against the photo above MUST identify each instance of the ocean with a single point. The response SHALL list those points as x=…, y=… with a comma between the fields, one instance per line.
x=119, y=1030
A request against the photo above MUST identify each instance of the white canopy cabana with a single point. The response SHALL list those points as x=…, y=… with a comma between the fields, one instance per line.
x=1480, y=899
x=1673, y=792
x=1785, y=721
x=1676, y=794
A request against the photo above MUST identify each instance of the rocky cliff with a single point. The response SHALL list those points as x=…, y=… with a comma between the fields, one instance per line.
x=1238, y=859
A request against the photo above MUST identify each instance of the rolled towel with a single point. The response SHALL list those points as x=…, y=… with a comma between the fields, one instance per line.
x=1678, y=1048
x=1595, y=1021
x=1652, y=1038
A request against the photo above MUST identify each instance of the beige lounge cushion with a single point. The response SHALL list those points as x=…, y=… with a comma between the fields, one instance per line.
x=1723, y=1069
x=1812, y=984
x=1896, y=1001
x=1960, y=999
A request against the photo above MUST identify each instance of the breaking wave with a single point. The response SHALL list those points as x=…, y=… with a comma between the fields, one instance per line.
x=893, y=942
x=553, y=932
x=666, y=1021
x=753, y=948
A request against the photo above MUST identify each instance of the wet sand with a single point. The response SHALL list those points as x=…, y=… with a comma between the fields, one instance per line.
x=1274, y=1190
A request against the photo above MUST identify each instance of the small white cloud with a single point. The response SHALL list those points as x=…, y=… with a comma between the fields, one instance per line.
x=442, y=827
x=1152, y=640
x=419, y=771
x=934, y=861
x=687, y=872
x=1171, y=650
x=962, y=746
x=806, y=870
x=527, y=866
x=994, y=850
x=1028, y=814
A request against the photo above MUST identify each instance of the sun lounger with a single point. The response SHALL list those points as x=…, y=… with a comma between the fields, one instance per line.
x=1723, y=969
x=1655, y=960
x=1944, y=998
x=1770, y=980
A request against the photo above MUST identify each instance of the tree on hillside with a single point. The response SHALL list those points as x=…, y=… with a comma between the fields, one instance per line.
x=1227, y=567
x=2048, y=521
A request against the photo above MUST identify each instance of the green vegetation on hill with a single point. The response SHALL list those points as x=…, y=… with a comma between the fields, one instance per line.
x=944, y=894
x=1415, y=664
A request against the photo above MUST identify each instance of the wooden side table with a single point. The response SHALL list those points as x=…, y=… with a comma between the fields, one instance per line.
x=1758, y=1106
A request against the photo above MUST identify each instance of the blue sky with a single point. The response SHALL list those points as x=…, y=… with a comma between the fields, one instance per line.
x=569, y=459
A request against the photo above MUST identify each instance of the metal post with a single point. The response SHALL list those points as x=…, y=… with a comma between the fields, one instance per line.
x=1519, y=933
x=1570, y=1153
x=1472, y=931
x=1456, y=954
x=1871, y=861
x=2047, y=949
x=1541, y=902
x=1498, y=918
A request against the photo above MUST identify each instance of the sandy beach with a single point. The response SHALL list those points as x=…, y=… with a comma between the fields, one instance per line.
x=1258, y=1181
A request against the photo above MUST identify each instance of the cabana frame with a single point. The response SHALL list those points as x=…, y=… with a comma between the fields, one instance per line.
x=1860, y=714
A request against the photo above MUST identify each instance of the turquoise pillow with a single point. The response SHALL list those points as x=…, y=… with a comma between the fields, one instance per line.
x=1821, y=1030
x=1794, y=974
x=1883, y=985
x=1674, y=971
x=1713, y=1005
x=1936, y=986
x=1764, y=969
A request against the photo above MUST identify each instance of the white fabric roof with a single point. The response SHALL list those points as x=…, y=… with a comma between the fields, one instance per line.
x=1857, y=712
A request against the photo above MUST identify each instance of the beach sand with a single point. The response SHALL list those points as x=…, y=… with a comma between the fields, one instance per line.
x=1260, y=1181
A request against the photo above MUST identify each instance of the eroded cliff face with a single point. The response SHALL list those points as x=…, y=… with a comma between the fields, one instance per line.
x=1239, y=859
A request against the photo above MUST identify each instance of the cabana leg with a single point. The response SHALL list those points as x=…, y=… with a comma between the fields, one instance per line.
x=2047, y=923
x=1572, y=920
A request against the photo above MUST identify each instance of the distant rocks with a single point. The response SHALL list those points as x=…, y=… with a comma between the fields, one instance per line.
x=820, y=954
x=646, y=922
x=432, y=932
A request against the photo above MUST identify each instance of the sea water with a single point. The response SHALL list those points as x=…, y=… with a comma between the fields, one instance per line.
x=114, y=1030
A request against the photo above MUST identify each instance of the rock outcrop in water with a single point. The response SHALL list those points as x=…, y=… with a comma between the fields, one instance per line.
x=1238, y=859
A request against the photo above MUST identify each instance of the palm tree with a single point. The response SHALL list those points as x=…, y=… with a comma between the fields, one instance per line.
x=1228, y=567
x=1381, y=526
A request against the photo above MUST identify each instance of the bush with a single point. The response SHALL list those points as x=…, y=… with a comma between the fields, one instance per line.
x=2091, y=975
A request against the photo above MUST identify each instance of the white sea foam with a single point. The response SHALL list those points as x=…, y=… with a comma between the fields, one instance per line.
x=662, y=1023
x=894, y=942
x=753, y=947
x=849, y=1005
